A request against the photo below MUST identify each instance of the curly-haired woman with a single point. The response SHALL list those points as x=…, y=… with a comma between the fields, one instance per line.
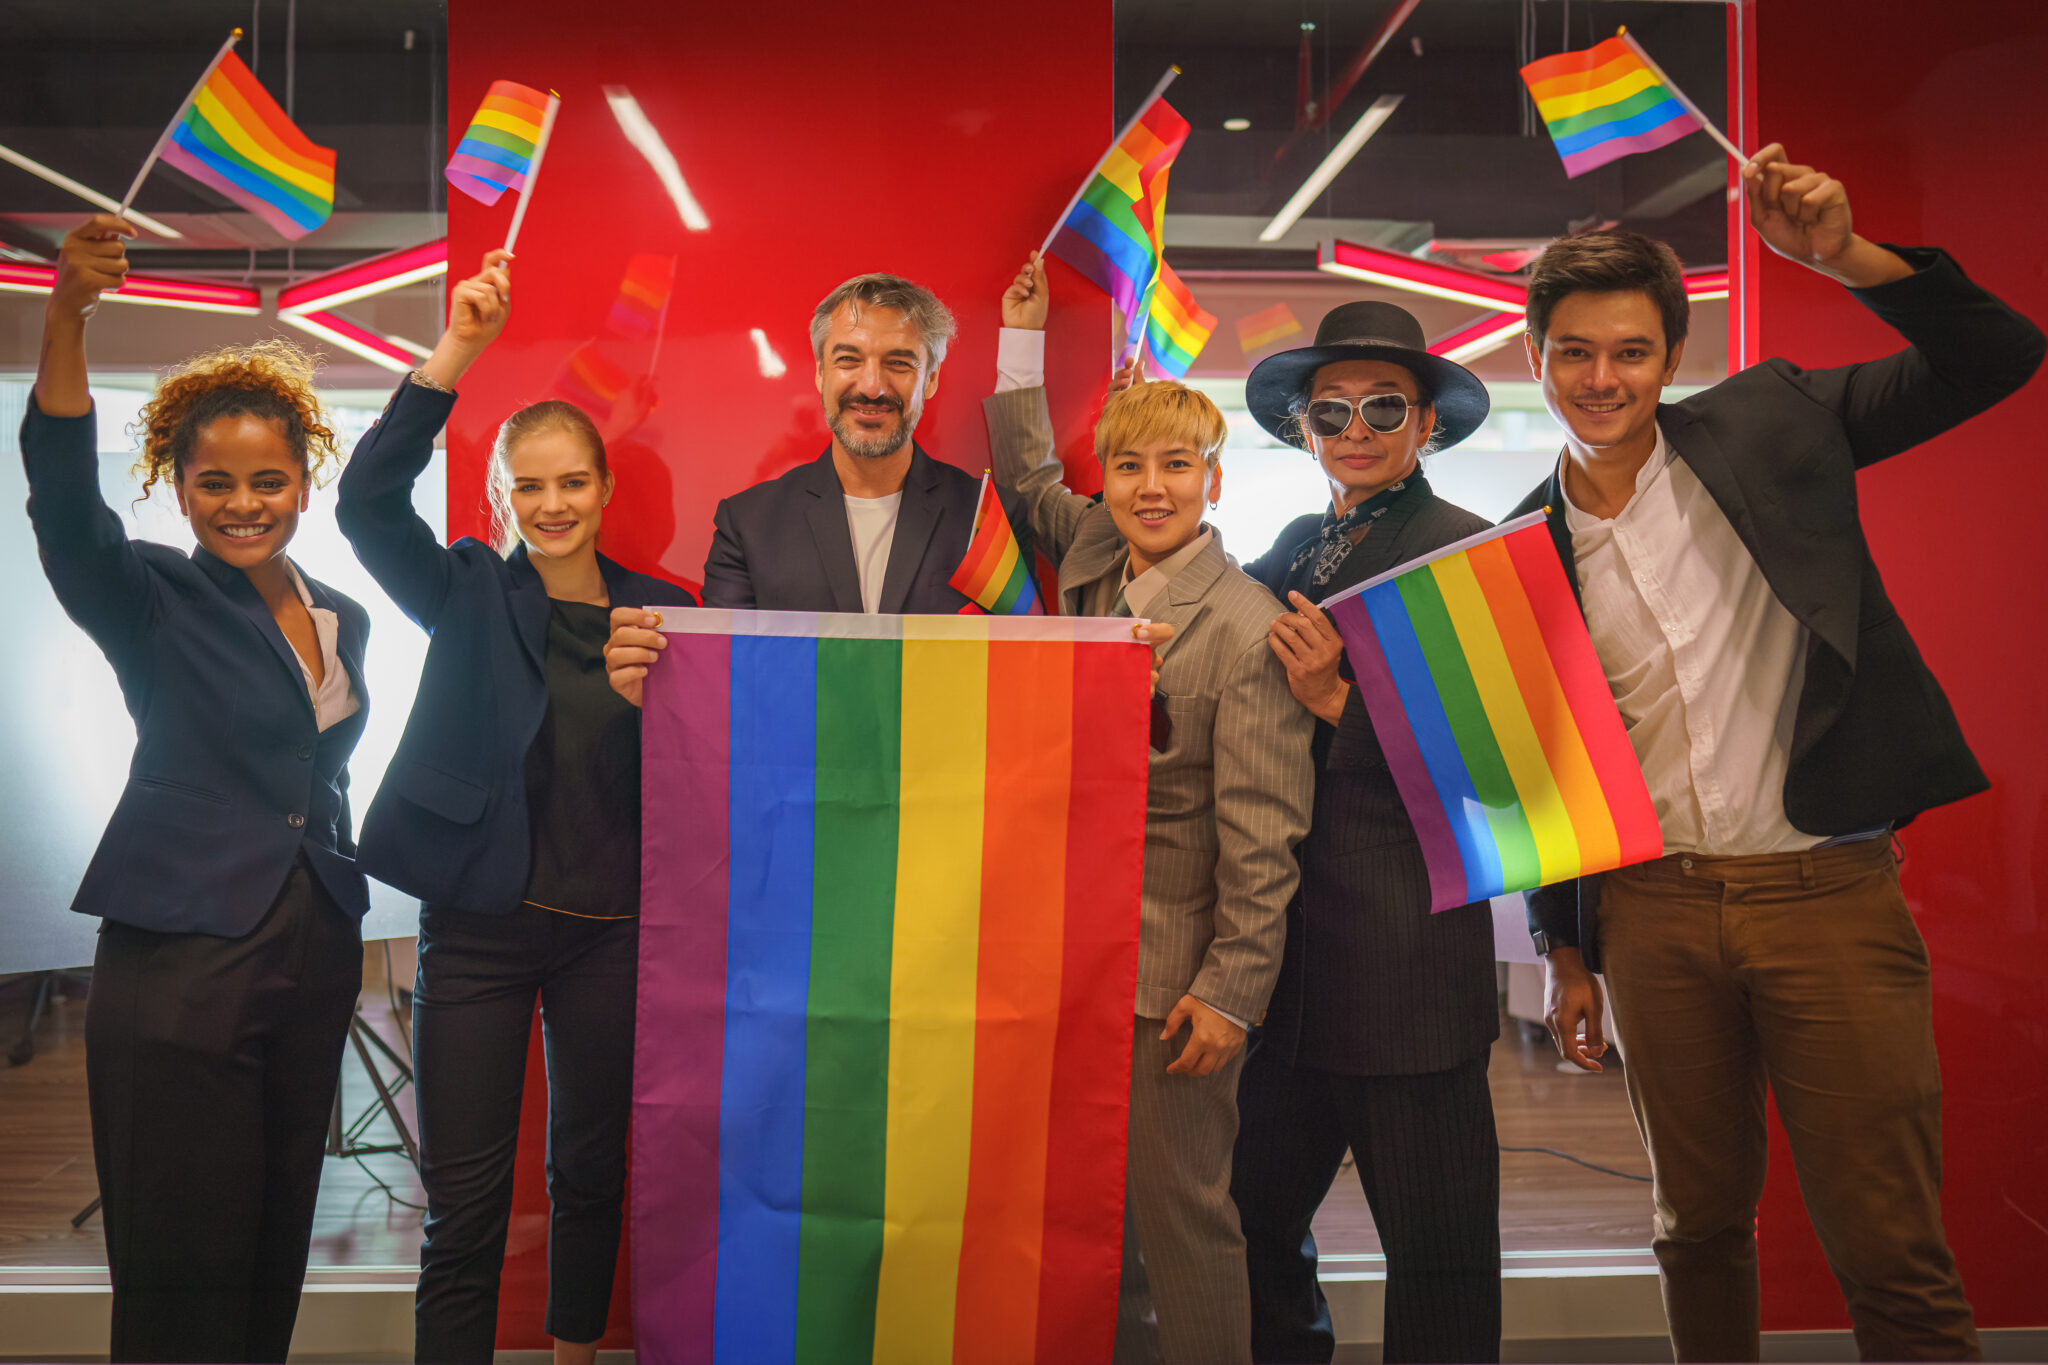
x=230, y=952
x=512, y=810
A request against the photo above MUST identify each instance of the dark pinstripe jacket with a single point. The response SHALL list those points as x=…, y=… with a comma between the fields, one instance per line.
x=1371, y=983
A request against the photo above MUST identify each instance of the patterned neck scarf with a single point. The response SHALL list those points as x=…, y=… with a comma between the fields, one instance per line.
x=1333, y=542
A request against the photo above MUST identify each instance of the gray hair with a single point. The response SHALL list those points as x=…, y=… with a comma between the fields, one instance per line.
x=932, y=319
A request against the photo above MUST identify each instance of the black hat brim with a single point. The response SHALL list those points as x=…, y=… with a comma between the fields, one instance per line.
x=1460, y=399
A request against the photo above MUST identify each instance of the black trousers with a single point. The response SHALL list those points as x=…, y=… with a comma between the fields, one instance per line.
x=210, y=1068
x=1429, y=1160
x=472, y=1016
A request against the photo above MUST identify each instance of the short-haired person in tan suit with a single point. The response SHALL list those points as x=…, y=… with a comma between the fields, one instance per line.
x=1231, y=788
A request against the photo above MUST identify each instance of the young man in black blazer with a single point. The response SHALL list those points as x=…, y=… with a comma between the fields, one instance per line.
x=1785, y=724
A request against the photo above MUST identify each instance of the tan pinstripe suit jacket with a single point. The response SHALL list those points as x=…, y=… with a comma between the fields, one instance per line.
x=1230, y=796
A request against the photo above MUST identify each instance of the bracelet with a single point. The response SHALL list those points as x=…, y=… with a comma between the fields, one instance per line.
x=419, y=377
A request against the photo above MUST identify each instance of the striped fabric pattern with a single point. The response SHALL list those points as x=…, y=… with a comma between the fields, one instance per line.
x=497, y=148
x=1176, y=327
x=889, y=939
x=1604, y=103
x=1496, y=718
x=994, y=574
x=235, y=139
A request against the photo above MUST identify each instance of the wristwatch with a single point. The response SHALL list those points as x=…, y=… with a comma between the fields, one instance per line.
x=1544, y=943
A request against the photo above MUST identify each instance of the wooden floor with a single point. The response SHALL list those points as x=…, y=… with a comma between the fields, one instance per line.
x=46, y=1172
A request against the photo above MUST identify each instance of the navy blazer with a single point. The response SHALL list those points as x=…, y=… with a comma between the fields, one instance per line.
x=784, y=545
x=449, y=823
x=232, y=777
x=1874, y=741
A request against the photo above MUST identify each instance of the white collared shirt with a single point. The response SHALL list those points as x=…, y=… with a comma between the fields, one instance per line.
x=334, y=696
x=1704, y=661
x=1138, y=592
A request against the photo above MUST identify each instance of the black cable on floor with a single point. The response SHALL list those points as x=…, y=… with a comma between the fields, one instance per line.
x=1579, y=1161
x=389, y=1193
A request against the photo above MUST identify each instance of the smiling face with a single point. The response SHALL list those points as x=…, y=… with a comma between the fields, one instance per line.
x=556, y=492
x=1603, y=365
x=1154, y=491
x=243, y=490
x=874, y=376
x=1361, y=461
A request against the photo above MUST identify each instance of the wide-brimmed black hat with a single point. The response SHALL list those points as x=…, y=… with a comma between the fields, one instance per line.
x=1366, y=331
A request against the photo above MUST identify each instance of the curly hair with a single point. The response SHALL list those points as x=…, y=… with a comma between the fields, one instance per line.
x=271, y=379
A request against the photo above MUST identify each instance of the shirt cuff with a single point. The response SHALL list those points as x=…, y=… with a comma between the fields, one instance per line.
x=1020, y=359
x=1228, y=1015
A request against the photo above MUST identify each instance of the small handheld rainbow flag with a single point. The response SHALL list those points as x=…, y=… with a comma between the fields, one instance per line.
x=1611, y=101
x=994, y=573
x=1114, y=231
x=1176, y=327
x=232, y=137
x=1495, y=717
x=889, y=932
x=502, y=143
x=643, y=295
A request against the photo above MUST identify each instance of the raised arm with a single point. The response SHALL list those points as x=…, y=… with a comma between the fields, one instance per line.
x=375, y=508
x=1968, y=350
x=97, y=574
x=1020, y=436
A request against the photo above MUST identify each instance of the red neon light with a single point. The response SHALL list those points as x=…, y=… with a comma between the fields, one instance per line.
x=1426, y=277
x=349, y=332
x=1496, y=328
x=1707, y=282
x=388, y=271
x=198, y=294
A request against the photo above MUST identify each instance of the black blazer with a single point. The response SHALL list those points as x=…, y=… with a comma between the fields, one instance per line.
x=1874, y=741
x=232, y=778
x=1371, y=983
x=449, y=824
x=783, y=545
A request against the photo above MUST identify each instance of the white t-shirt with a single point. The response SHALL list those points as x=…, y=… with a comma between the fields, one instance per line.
x=873, y=524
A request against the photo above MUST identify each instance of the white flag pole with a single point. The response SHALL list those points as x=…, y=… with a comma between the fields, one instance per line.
x=1684, y=99
x=540, y=149
x=1114, y=143
x=90, y=196
x=169, y=128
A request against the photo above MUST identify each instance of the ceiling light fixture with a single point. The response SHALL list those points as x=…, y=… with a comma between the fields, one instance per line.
x=200, y=296
x=1340, y=156
x=1397, y=271
x=1711, y=284
x=378, y=275
x=1488, y=334
x=640, y=131
x=393, y=353
x=1237, y=125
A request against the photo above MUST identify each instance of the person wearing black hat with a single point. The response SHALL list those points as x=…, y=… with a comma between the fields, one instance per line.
x=1384, y=1015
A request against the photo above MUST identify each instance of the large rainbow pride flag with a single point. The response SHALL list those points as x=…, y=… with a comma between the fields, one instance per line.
x=1114, y=232
x=888, y=959
x=1495, y=717
x=233, y=138
x=1605, y=102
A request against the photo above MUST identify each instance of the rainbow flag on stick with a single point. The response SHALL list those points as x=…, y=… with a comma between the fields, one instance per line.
x=1114, y=231
x=498, y=148
x=643, y=295
x=994, y=573
x=889, y=933
x=232, y=137
x=1495, y=717
x=1610, y=101
x=1256, y=331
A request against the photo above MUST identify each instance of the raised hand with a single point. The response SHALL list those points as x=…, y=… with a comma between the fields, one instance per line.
x=1026, y=300
x=478, y=308
x=1801, y=213
x=1126, y=375
x=92, y=258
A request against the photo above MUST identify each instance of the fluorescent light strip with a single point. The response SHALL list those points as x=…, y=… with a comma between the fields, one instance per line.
x=1488, y=334
x=378, y=275
x=1714, y=286
x=90, y=196
x=1396, y=271
x=640, y=131
x=199, y=296
x=1340, y=156
x=391, y=352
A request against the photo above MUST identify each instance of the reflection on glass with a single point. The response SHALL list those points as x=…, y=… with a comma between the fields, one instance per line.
x=772, y=365
x=639, y=131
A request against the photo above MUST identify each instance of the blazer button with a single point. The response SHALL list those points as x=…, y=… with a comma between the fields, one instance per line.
x=305, y=751
x=295, y=820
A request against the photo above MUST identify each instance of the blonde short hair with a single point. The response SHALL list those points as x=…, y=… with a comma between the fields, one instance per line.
x=1161, y=410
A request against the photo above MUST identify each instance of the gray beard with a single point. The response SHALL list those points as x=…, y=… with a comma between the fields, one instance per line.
x=872, y=447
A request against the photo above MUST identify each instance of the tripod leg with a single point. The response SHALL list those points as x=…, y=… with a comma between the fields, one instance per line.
x=78, y=1219
x=21, y=1053
x=357, y=1029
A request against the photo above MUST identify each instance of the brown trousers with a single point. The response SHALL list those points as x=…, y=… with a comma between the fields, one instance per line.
x=1806, y=973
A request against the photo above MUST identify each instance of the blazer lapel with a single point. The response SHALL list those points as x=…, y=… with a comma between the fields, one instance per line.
x=1085, y=563
x=826, y=513
x=1180, y=601
x=917, y=516
x=242, y=594
x=528, y=602
x=348, y=641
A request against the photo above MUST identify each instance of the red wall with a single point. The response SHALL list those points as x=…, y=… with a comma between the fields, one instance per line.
x=1933, y=118
x=933, y=139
